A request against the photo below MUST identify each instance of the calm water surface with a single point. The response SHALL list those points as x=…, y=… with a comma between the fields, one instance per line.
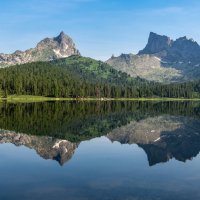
x=100, y=150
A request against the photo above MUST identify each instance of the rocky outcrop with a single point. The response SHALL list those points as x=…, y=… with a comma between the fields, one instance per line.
x=156, y=43
x=162, y=60
x=147, y=66
x=48, y=49
x=46, y=147
x=184, y=50
x=180, y=50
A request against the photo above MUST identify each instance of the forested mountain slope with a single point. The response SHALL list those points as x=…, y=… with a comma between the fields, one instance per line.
x=78, y=76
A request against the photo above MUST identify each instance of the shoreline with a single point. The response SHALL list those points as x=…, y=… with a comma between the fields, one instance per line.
x=27, y=98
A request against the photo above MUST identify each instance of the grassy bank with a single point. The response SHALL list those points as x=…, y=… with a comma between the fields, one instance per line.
x=29, y=98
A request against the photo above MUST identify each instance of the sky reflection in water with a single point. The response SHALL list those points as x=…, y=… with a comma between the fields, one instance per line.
x=152, y=154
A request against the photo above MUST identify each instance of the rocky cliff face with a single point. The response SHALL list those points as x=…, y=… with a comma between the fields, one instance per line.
x=180, y=50
x=156, y=43
x=162, y=60
x=46, y=147
x=48, y=49
x=184, y=50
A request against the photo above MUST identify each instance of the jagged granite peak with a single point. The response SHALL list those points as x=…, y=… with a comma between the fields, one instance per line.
x=183, y=49
x=162, y=60
x=156, y=43
x=62, y=37
x=48, y=49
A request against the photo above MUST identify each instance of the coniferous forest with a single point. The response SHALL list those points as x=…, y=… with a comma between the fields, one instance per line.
x=78, y=76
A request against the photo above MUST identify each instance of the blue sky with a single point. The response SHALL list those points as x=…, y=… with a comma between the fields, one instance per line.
x=99, y=28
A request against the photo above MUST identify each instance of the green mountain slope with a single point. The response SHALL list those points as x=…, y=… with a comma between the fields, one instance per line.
x=92, y=70
x=78, y=76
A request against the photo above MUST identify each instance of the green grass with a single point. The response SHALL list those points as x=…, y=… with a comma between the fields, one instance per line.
x=30, y=98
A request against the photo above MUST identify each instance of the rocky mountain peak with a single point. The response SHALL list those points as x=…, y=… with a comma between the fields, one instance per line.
x=62, y=34
x=48, y=49
x=156, y=43
x=62, y=37
x=162, y=60
x=181, y=50
x=188, y=42
x=185, y=50
x=182, y=38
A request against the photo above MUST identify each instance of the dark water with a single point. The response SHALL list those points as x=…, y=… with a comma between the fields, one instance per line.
x=100, y=150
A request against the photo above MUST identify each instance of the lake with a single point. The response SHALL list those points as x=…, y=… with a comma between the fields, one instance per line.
x=100, y=150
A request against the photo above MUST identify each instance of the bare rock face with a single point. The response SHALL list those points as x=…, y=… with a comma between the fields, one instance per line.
x=156, y=43
x=46, y=147
x=162, y=60
x=48, y=49
x=146, y=66
x=182, y=49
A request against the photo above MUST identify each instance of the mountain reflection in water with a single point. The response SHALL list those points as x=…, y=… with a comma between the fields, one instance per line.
x=165, y=130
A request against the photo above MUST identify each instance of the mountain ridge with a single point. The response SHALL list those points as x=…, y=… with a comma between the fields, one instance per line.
x=171, y=50
x=162, y=60
x=47, y=49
